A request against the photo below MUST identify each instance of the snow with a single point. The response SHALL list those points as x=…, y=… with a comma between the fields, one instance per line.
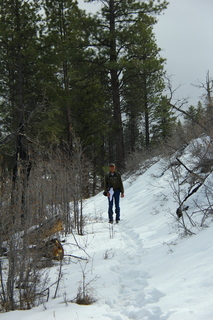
x=145, y=267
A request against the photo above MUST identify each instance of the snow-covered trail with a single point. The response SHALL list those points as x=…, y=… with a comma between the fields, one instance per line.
x=124, y=289
x=131, y=297
x=133, y=250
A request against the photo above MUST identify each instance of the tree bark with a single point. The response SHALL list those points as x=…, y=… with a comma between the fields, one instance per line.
x=118, y=127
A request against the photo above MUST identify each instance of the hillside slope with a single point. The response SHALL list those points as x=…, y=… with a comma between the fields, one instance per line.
x=146, y=267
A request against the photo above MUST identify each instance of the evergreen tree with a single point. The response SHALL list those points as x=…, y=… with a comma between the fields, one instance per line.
x=76, y=90
x=196, y=121
x=195, y=114
x=63, y=50
x=143, y=80
x=165, y=122
x=115, y=35
x=20, y=87
x=20, y=84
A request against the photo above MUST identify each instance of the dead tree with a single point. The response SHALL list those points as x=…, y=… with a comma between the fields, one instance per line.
x=180, y=209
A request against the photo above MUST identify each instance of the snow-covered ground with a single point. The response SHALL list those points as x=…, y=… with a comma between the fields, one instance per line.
x=143, y=267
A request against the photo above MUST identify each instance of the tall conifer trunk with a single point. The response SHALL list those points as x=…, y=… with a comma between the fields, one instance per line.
x=68, y=107
x=146, y=112
x=117, y=125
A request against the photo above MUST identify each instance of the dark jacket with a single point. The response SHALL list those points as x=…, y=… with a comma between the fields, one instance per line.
x=113, y=181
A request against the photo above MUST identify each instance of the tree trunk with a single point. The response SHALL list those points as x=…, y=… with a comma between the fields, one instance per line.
x=147, y=125
x=146, y=113
x=117, y=127
x=69, y=117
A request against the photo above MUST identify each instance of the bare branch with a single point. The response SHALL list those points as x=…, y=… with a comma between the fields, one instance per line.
x=11, y=136
x=188, y=116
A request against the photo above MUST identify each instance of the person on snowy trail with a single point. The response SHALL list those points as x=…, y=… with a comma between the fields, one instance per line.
x=113, y=188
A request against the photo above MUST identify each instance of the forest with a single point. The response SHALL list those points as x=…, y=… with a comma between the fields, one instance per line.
x=78, y=91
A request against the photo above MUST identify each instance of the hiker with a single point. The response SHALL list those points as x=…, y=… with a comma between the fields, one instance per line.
x=113, y=187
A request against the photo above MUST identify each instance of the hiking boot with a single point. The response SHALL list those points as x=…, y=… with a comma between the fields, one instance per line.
x=117, y=221
x=111, y=221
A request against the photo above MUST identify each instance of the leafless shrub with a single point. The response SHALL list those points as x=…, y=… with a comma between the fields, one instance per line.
x=57, y=179
x=191, y=179
x=108, y=254
x=85, y=292
x=139, y=161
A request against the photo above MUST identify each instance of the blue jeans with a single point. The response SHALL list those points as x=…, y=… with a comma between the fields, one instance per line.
x=116, y=198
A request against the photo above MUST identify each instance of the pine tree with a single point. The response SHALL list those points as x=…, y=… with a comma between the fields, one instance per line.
x=117, y=24
x=19, y=55
x=164, y=122
x=63, y=27
x=143, y=80
x=20, y=86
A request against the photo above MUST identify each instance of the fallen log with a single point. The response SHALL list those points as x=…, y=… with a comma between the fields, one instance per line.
x=45, y=230
x=52, y=249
